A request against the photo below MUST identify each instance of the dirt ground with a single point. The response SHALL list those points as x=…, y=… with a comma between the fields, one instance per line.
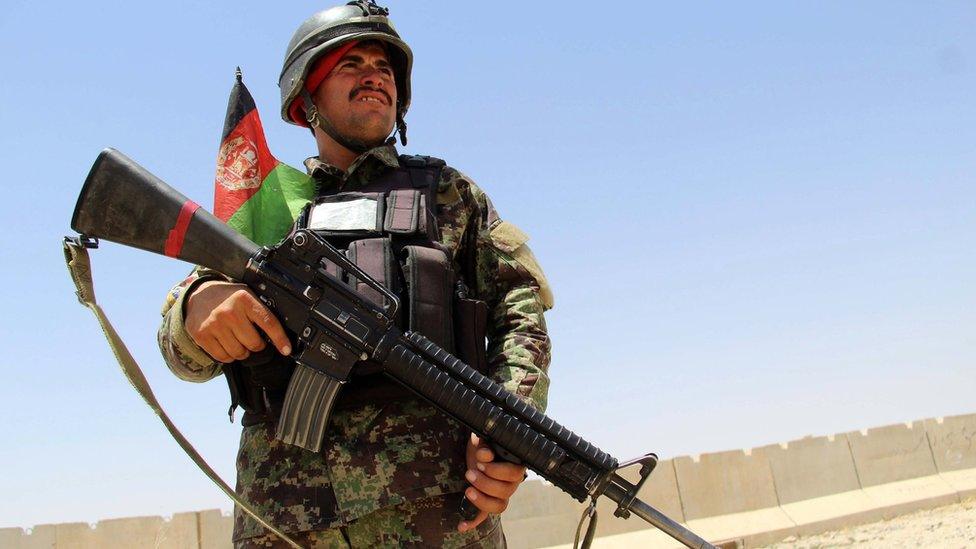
x=953, y=526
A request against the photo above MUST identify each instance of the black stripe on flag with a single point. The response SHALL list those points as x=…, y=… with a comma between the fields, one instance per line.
x=238, y=106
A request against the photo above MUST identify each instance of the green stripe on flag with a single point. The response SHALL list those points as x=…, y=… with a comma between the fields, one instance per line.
x=268, y=216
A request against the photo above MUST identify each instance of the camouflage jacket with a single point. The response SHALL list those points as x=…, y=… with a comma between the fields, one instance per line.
x=386, y=453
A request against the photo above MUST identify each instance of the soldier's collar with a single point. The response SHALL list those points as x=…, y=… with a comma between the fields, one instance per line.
x=377, y=157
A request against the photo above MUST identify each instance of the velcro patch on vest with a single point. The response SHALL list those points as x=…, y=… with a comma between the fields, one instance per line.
x=511, y=240
x=360, y=213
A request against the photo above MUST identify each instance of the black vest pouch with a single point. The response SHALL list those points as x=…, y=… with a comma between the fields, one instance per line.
x=375, y=256
x=430, y=288
x=470, y=332
x=407, y=213
x=258, y=384
x=367, y=385
x=470, y=314
x=242, y=393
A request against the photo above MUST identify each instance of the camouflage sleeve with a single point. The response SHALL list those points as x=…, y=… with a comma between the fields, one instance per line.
x=183, y=356
x=510, y=280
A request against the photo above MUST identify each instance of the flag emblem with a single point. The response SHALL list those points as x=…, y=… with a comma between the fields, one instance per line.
x=237, y=165
x=254, y=193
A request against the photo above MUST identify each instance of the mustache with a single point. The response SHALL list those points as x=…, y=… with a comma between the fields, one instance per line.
x=361, y=89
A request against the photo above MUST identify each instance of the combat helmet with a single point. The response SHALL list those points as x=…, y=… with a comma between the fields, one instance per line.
x=322, y=33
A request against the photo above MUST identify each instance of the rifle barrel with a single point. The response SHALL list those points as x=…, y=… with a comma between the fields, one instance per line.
x=658, y=519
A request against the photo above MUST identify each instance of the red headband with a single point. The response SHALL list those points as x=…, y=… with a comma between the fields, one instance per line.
x=314, y=79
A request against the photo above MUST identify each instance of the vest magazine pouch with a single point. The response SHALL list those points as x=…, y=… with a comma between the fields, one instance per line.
x=430, y=289
x=346, y=214
x=375, y=256
x=407, y=213
x=470, y=331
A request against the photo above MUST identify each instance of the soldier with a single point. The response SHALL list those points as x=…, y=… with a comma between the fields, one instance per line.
x=392, y=470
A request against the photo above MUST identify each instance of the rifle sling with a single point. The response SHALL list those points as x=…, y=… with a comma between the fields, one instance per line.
x=79, y=264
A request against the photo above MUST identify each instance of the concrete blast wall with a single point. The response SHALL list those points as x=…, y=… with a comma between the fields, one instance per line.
x=200, y=530
x=751, y=497
x=758, y=496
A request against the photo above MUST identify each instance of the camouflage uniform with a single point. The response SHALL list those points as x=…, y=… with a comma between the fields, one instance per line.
x=380, y=455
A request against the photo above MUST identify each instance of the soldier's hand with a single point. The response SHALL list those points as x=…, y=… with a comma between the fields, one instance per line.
x=223, y=318
x=492, y=482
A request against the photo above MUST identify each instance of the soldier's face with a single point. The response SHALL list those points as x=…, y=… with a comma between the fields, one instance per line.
x=359, y=96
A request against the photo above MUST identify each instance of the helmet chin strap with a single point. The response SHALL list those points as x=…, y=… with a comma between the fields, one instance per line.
x=316, y=120
x=401, y=128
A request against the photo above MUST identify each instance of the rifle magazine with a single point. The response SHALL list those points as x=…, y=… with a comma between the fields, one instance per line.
x=306, y=409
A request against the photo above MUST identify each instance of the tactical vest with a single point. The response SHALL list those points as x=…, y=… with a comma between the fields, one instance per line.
x=389, y=229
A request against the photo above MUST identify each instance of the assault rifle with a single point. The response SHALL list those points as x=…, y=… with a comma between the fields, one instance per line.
x=311, y=286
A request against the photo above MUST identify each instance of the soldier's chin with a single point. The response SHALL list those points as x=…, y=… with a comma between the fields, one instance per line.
x=377, y=141
x=373, y=138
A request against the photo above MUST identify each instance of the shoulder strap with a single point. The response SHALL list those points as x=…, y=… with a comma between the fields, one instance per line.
x=425, y=171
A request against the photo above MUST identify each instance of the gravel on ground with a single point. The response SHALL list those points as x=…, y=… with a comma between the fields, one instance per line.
x=952, y=526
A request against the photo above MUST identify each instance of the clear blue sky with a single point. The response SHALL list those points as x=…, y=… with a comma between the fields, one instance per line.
x=758, y=218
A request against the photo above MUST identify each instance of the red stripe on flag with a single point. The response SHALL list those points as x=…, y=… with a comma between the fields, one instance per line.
x=243, y=164
x=174, y=242
x=252, y=128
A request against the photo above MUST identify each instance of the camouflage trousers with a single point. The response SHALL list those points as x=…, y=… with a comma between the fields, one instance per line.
x=428, y=522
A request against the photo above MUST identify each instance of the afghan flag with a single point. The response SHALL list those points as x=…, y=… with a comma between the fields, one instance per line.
x=254, y=193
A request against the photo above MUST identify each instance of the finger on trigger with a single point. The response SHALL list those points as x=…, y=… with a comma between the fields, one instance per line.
x=266, y=320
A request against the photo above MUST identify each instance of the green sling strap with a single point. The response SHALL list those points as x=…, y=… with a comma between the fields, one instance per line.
x=79, y=264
